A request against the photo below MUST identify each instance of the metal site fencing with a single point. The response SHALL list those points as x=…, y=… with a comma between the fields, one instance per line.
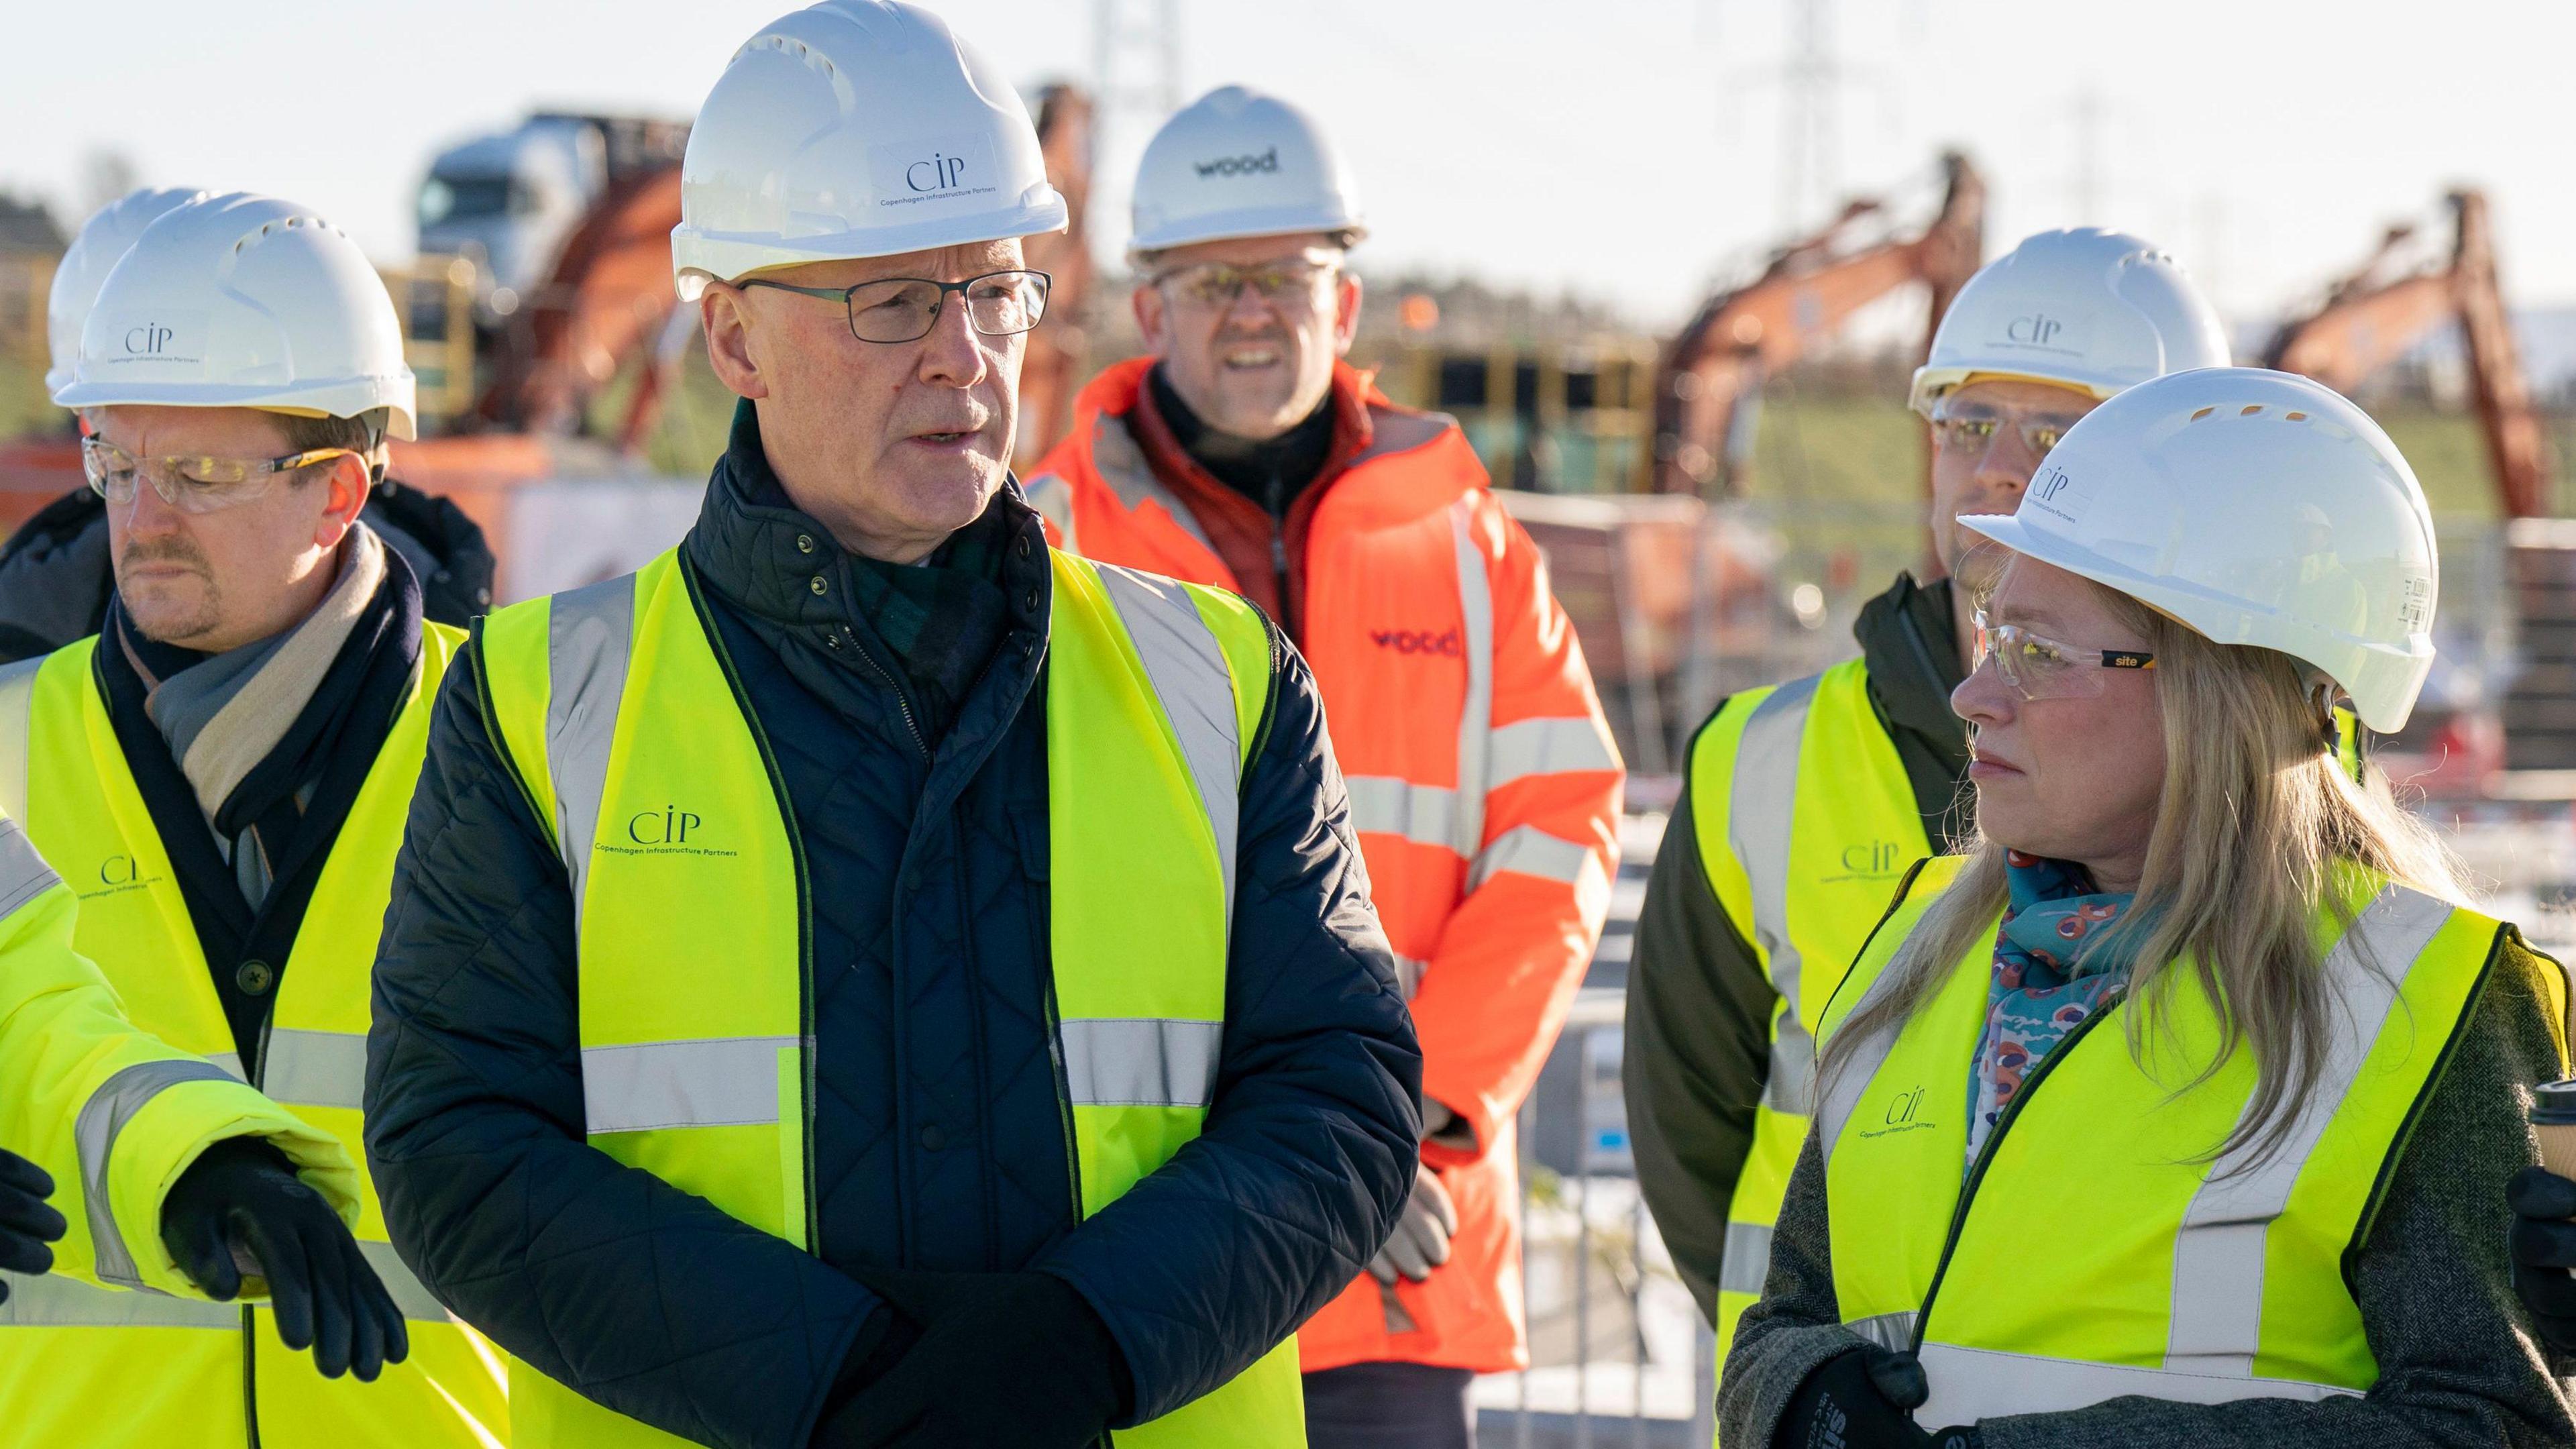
x=1619, y=1355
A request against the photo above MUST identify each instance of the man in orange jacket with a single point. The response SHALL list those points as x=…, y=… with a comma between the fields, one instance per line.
x=1246, y=453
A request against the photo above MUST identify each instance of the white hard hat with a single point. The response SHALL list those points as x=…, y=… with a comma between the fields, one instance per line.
x=250, y=302
x=855, y=128
x=103, y=238
x=1235, y=163
x=2258, y=508
x=2092, y=310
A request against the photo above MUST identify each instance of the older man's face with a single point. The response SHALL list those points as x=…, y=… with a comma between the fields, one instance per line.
x=890, y=445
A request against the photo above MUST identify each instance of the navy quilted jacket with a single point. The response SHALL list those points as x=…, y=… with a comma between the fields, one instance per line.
x=939, y=1141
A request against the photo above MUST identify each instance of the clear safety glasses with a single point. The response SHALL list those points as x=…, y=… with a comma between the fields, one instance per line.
x=2038, y=667
x=1214, y=285
x=904, y=309
x=193, y=483
x=1975, y=432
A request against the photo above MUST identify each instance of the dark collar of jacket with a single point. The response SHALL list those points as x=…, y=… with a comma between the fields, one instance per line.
x=325, y=756
x=932, y=633
x=55, y=576
x=1911, y=648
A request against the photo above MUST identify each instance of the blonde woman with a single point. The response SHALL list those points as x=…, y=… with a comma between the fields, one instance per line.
x=2178, y=1112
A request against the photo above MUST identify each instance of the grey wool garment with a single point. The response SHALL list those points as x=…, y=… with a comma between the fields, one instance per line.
x=2458, y=1365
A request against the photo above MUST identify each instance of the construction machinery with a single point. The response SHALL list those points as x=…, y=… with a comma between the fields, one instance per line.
x=2410, y=286
x=1709, y=389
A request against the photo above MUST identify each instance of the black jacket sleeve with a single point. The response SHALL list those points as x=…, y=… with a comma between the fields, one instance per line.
x=2458, y=1366
x=1308, y=1152
x=1698, y=1054
x=645, y=1298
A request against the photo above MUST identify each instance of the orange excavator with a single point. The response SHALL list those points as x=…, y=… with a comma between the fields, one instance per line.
x=1711, y=375
x=2375, y=314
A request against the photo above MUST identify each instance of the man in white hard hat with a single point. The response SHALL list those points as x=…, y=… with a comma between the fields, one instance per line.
x=867, y=978
x=55, y=577
x=1245, y=453
x=224, y=769
x=1806, y=803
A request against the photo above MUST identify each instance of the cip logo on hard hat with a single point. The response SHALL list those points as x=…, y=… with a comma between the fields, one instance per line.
x=2054, y=492
x=1267, y=163
x=175, y=335
x=941, y=168
x=2039, y=330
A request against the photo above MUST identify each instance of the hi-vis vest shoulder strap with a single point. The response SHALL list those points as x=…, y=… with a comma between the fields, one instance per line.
x=64, y=773
x=622, y=716
x=1805, y=822
x=2195, y=1280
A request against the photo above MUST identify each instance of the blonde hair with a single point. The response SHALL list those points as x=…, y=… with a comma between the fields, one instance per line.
x=2255, y=815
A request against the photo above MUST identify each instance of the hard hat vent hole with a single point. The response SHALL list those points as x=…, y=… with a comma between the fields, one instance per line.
x=2249, y=410
x=2204, y=412
x=2296, y=417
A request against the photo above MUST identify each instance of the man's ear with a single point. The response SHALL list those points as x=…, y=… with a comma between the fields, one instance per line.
x=1346, y=313
x=1150, y=309
x=348, y=483
x=724, y=314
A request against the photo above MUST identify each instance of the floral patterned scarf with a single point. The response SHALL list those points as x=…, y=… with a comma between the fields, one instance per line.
x=2047, y=980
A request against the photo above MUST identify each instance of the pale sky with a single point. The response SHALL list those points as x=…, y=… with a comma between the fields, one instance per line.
x=1627, y=150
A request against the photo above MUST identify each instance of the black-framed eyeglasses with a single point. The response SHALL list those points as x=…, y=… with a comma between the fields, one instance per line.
x=904, y=309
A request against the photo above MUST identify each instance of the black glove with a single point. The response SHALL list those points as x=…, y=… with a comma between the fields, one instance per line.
x=27, y=1221
x=2543, y=1247
x=1862, y=1399
x=1006, y=1360
x=240, y=1207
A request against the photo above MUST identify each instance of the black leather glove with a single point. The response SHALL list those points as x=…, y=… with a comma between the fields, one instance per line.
x=27, y=1221
x=1004, y=1361
x=2543, y=1247
x=1862, y=1399
x=240, y=1208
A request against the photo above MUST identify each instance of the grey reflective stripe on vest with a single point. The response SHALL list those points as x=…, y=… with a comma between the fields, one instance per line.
x=1408, y=975
x=1390, y=805
x=23, y=873
x=1476, y=712
x=1747, y=1261
x=230, y=1063
x=315, y=1068
x=1761, y=818
x=1969, y=1384
x=1887, y=1330
x=407, y=1291
x=589, y=633
x=708, y=1082
x=1547, y=746
x=1052, y=497
x=1141, y=1061
x=94, y=1135
x=1186, y=666
x=1400, y=430
x=1528, y=850
x=1121, y=465
x=2218, y=1257
x=54, y=1301
x=17, y=722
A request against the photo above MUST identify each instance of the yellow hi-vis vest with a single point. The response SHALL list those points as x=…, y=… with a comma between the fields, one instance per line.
x=1805, y=822
x=629, y=734
x=82, y=1366
x=2192, y=1280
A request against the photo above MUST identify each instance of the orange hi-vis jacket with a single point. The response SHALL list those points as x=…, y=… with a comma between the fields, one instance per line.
x=1484, y=789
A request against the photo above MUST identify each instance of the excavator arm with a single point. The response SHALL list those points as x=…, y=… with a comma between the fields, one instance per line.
x=1809, y=290
x=2370, y=319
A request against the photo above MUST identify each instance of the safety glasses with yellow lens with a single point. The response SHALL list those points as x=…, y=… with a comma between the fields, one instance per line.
x=2038, y=667
x=1214, y=285
x=193, y=483
x=1974, y=432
